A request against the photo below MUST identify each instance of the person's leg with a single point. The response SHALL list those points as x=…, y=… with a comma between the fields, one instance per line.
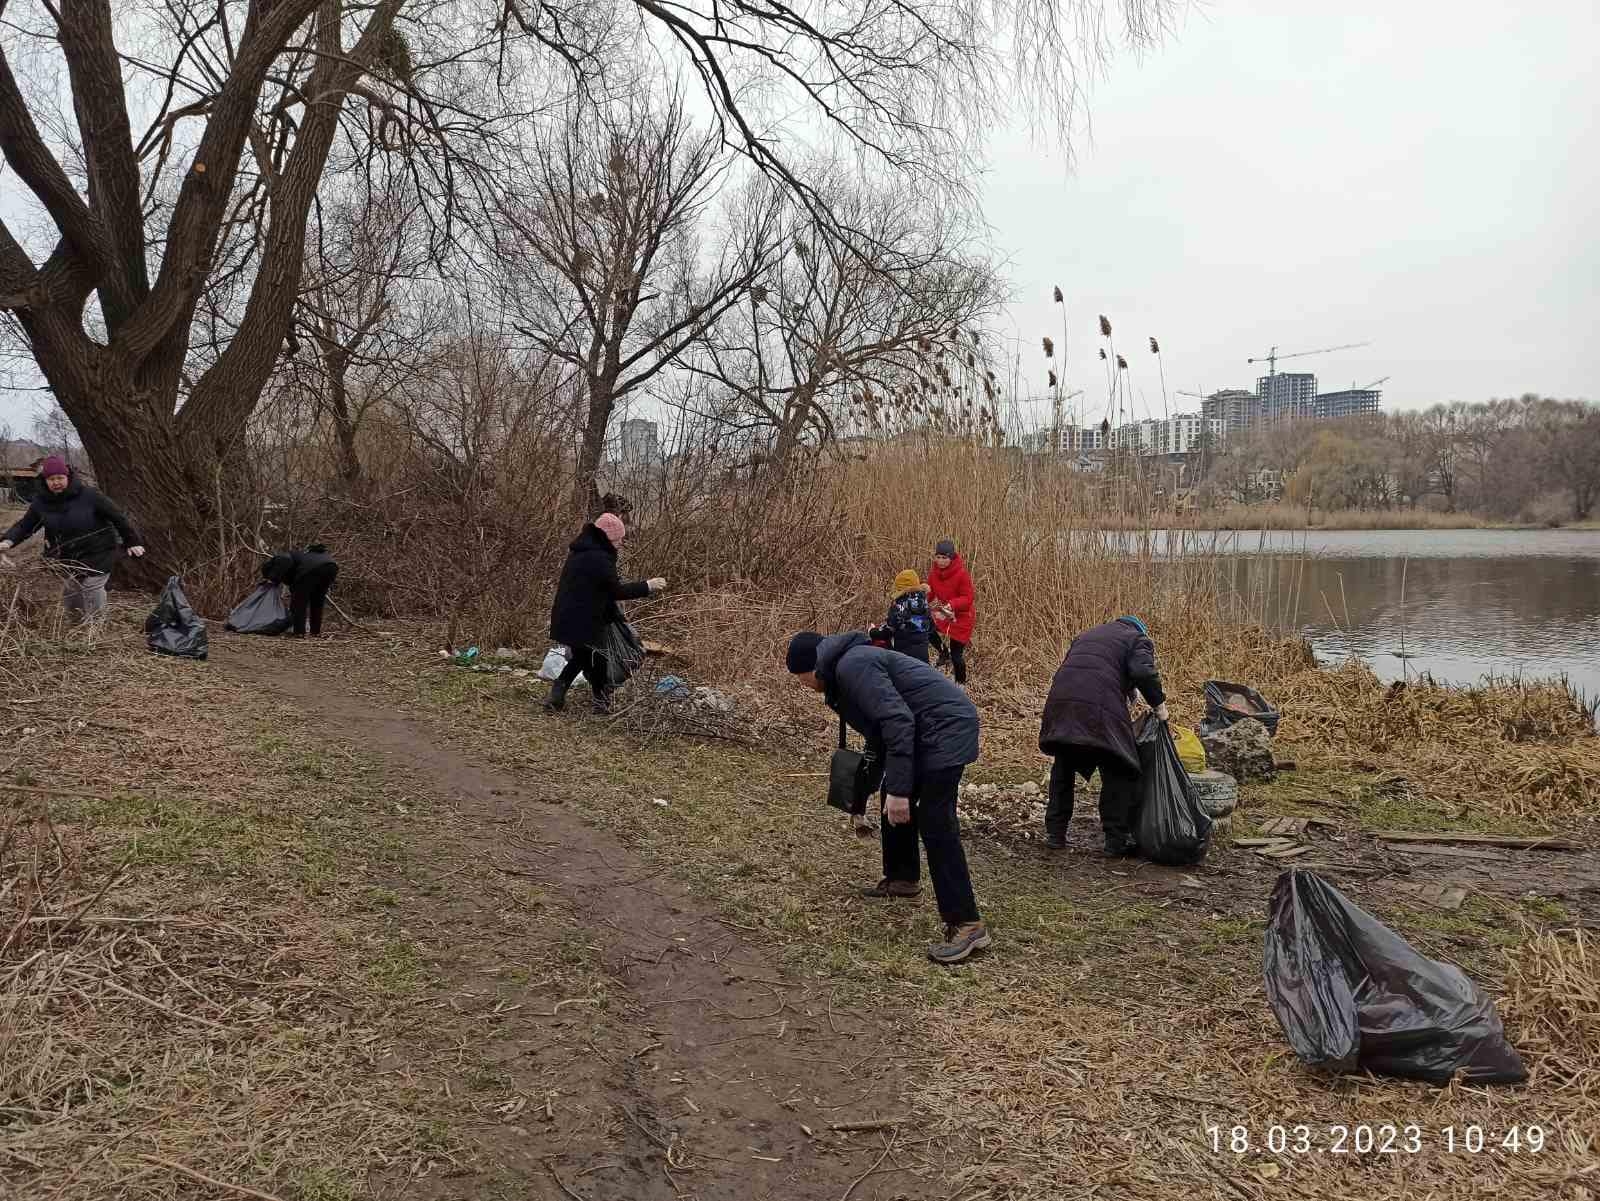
x=299, y=600
x=92, y=594
x=958, y=656
x=1119, y=806
x=902, y=864
x=934, y=807
x=940, y=827
x=579, y=659
x=1058, y=813
x=315, y=600
x=72, y=596
x=936, y=640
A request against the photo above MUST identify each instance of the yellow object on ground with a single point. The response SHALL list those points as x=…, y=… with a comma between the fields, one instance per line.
x=1191, y=753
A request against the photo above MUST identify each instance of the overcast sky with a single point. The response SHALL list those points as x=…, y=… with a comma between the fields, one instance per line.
x=1419, y=175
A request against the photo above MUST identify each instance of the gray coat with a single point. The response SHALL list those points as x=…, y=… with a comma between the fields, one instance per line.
x=921, y=720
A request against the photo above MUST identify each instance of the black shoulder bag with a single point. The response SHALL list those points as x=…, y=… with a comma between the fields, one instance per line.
x=853, y=776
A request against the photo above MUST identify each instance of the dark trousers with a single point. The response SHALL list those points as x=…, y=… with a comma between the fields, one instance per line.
x=307, y=596
x=933, y=817
x=1119, y=795
x=958, y=655
x=583, y=659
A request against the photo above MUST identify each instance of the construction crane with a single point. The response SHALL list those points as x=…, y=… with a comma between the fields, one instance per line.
x=1272, y=356
x=1373, y=384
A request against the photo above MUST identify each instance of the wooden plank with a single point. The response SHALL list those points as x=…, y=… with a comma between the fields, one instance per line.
x=1487, y=840
x=1440, y=896
x=1258, y=842
x=1421, y=848
x=1283, y=852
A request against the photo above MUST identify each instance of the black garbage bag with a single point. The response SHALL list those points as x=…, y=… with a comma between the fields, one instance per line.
x=1352, y=995
x=621, y=651
x=262, y=612
x=1227, y=703
x=173, y=628
x=1172, y=827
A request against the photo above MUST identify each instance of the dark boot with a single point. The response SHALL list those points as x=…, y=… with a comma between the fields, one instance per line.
x=557, y=699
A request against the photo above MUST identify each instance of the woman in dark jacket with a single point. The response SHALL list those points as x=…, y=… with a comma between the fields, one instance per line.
x=82, y=530
x=310, y=575
x=1086, y=726
x=586, y=600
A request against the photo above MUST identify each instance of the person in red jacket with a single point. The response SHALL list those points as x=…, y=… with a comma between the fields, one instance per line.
x=950, y=596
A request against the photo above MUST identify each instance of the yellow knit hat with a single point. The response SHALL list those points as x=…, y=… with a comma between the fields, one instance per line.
x=906, y=581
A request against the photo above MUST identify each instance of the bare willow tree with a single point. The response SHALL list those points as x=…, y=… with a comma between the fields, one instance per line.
x=182, y=157
x=603, y=239
x=873, y=331
x=367, y=316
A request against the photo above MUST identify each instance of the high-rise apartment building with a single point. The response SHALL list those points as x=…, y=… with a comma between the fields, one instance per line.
x=1288, y=396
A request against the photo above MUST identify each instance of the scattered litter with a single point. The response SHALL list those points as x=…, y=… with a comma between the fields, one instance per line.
x=554, y=664
x=1352, y=995
x=467, y=657
x=505, y=652
x=1030, y=789
x=1191, y=882
x=674, y=686
x=521, y=673
x=658, y=801
x=710, y=698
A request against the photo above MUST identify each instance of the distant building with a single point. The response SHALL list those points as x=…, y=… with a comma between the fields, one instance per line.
x=1351, y=402
x=1290, y=396
x=1187, y=433
x=1074, y=440
x=641, y=443
x=1237, y=410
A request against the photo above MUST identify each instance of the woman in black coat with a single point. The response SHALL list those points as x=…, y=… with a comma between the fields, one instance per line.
x=586, y=600
x=82, y=532
x=1086, y=727
x=310, y=575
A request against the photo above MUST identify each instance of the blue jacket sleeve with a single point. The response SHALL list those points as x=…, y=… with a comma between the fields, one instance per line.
x=866, y=680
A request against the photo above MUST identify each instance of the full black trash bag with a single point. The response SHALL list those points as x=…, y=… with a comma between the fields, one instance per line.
x=621, y=650
x=262, y=612
x=173, y=628
x=1172, y=827
x=1352, y=995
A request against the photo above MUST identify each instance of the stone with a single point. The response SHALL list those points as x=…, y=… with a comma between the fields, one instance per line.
x=1243, y=751
x=1030, y=789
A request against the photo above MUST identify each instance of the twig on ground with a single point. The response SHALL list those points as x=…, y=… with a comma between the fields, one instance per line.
x=856, y=1183
x=240, y=1189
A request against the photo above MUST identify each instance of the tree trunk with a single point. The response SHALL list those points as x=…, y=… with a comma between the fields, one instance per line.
x=586, y=488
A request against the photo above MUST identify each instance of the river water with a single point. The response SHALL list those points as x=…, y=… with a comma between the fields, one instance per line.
x=1453, y=604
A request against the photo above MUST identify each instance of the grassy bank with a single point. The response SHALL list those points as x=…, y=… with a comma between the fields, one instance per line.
x=1122, y=1015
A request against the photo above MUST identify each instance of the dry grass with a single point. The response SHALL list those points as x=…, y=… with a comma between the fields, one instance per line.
x=1122, y=1014
x=1553, y=1002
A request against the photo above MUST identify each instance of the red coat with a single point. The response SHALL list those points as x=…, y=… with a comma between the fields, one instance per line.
x=953, y=586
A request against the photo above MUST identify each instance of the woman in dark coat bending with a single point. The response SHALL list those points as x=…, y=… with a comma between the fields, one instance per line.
x=1086, y=727
x=586, y=600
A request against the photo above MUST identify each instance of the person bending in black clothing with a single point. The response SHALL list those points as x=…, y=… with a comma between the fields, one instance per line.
x=310, y=575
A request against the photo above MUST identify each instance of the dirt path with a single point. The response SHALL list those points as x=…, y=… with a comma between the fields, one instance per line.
x=699, y=1067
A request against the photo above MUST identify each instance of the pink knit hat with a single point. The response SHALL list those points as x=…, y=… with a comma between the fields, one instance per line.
x=54, y=465
x=611, y=526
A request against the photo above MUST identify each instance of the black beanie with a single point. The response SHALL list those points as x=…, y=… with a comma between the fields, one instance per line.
x=946, y=547
x=803, y=652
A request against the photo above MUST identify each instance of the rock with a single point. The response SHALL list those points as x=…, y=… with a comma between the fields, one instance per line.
x=1030, y=789
x=505, y=652
x=1243, y=751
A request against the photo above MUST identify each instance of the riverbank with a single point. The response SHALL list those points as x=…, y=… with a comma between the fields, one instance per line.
x=1249, y=518
x=459, y=948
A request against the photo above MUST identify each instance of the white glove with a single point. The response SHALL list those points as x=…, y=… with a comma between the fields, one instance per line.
x=136, y=552
x=1161, y=712
x=898, y=810
x=658, y=584
x=5, y=546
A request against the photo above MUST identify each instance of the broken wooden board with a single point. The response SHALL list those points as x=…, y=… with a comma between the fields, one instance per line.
x=1284, y=827
x=1288, y=852
x=1440, y=896
x=1257, y=842
x=1424, y=848
x=1486, y=840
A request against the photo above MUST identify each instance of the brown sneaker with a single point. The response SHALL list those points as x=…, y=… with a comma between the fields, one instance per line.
x=961, y=942
x=893, y=888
